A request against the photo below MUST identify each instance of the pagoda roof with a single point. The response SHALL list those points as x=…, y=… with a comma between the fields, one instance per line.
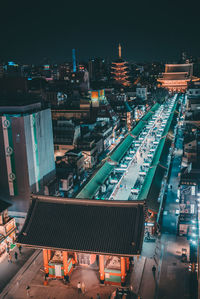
x=117, y=67
x=120, y=61
x=175, y=78
x=89, y=226
x=187, y=67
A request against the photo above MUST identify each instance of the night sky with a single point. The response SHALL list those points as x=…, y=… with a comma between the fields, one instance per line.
x=147, y=30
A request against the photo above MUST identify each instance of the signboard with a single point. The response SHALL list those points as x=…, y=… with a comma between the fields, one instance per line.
x=193, y=190
x=58, y=270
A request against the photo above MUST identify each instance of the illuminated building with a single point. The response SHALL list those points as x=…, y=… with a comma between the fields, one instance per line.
x=120, y=70
x=74, y=60
x=64, y=72
x=7, y=228
x=177, y=77
x=26, y=148
x=84, y=232
x=97, y=97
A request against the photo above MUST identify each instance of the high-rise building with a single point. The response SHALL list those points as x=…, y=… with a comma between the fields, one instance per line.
x=120, y=70
x=26, y=149
x=97, y=68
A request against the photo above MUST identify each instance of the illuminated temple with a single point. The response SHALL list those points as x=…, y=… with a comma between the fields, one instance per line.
x=120, y=70
x=100, y=233
x=177, y=77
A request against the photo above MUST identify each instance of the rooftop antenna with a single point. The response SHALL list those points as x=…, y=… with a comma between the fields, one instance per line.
x=120, y=51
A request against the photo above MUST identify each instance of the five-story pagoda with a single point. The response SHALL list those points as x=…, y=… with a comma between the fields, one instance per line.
x=120, y=70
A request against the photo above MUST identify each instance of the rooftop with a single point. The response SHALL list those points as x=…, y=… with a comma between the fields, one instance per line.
x=91, y=226
x=4, y=205
x=19, y=103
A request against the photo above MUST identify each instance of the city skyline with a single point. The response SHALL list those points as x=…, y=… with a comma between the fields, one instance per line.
x=100, y=150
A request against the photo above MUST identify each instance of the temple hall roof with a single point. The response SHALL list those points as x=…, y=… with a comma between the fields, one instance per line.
x=91, y=226
x=187, y=67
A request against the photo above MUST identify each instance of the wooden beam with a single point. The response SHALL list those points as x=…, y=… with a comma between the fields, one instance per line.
x=45, y=260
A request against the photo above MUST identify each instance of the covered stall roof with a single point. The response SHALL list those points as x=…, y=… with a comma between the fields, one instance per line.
x=90, y=189
x=90, y=226
x=126, y=143
x=103, y=173
x=156, y=160
x=122, y=149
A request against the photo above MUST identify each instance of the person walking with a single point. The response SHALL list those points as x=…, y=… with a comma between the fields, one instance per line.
x=83, y=287
x=9, y=257
x=154, y=270
x=98, y=296
x=27, y=291
x=16, y=255
x=20, y=249
x=79, y=287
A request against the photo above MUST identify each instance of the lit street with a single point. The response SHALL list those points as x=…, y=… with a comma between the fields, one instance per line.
x=173, y=271
x=143, y=154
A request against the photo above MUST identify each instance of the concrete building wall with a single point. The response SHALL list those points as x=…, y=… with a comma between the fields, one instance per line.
x=40, y=151
x=20, y=155
x=4, y=187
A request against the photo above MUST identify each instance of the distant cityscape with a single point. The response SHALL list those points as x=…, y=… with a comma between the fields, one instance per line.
x=99, y=178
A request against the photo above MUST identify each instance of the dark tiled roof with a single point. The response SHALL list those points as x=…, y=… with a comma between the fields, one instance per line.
x=91, y=226
x=4, y=205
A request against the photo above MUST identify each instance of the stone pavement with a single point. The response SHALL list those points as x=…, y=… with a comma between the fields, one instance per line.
x=32, y=274
x=8, y=270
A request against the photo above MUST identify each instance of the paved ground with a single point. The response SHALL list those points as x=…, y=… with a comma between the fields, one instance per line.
x=169, y=223
x=130, y=178
x=174, y=277
x=32, y=275
x=173, y=272
x=8, y=270
x=148, y=281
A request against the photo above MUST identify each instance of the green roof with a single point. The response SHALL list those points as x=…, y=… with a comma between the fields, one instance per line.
x=120, y=151
x=150, y=175
x=96, y=181
x=90, y=189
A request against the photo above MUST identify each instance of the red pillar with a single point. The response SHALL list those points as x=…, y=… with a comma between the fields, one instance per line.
x=75, y=257
x=127, y=264
x=49, y=254
x=123, y=271
x=65, y=262
x=46, y=261
x=101, y=268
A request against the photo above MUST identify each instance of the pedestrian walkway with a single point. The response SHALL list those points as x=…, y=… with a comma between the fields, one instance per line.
x=9, y=269
x=173, y=272
x=132, y=175
x=32, y=275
